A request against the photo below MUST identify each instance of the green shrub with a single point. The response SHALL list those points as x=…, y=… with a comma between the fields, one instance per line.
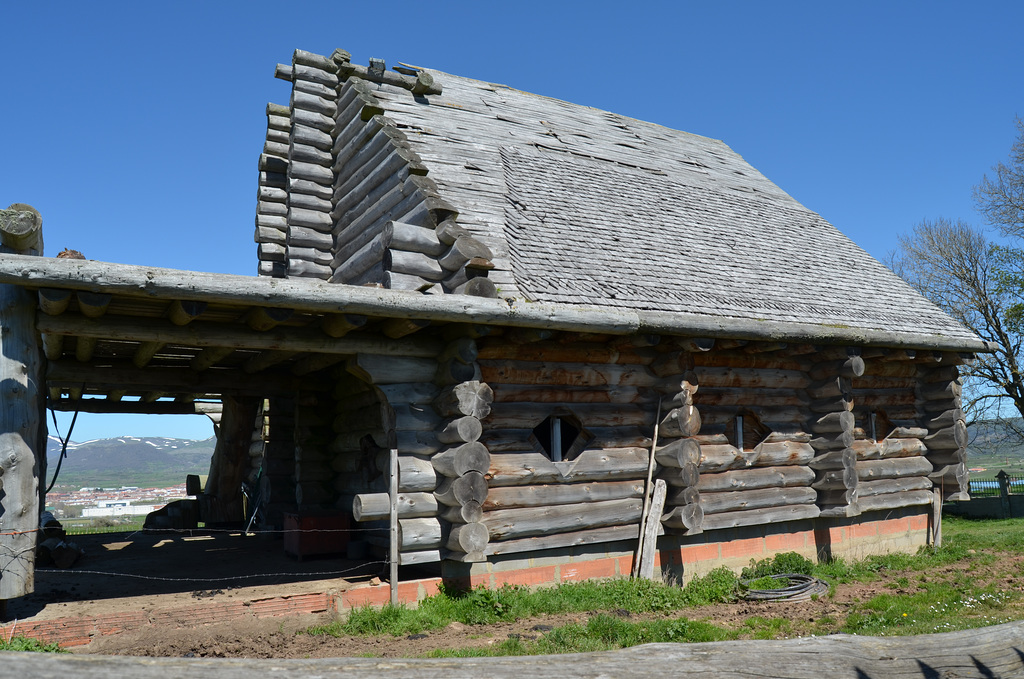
x=781, y=564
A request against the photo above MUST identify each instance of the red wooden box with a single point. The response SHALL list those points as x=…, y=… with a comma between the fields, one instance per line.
x=315, y=533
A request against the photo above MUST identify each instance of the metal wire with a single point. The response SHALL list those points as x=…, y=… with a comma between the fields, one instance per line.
x=799, y=588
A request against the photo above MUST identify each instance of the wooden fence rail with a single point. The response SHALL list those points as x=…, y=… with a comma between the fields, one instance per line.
x=988, y=652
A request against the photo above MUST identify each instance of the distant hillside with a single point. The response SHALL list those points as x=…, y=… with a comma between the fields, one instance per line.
x=129, y=461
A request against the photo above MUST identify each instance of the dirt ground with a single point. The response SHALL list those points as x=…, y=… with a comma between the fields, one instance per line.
x=90, y=589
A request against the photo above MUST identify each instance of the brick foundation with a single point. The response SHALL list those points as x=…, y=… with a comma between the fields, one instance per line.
x=679, y=559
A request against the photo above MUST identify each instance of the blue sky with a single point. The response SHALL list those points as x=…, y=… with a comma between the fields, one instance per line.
x=135, y=127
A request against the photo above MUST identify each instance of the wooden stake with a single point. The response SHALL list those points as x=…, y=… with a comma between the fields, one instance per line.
x=647, y=495
x=393, y=546
x=650, y=531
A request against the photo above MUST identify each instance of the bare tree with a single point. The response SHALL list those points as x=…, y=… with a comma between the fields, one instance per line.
x=1001, y=199
x=980, y=284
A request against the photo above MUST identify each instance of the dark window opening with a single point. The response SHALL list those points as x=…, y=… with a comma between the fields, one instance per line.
x=879, y=426
x=561, y=437
x=747, y=431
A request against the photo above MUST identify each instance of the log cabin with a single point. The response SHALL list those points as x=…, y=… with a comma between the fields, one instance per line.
x=522, y=338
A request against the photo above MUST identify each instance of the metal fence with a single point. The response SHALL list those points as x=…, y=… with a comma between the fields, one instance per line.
x=1003, y=484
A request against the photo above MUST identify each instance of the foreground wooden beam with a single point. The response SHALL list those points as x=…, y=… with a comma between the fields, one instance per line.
x=986, y=652
x=313, y=296
x=22, y=427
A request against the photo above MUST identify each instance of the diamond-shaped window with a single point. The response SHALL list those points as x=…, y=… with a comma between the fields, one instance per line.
x=747, y=431
x=560, y=436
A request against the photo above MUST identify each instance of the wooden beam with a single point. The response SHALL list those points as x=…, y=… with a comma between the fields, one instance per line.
x=100, y=405
x=122, y=376
x=93, y=304
x=321, y=297
x=184, y=312
x=266, y=359
x=266, y=318
x=205, y=334
x=209, y=357
x=54, y=302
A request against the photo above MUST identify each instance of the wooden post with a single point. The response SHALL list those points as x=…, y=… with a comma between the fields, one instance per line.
x=22, y=425
x=650, y=528
x=647, y=494
x=230, y=460
x=393, y=518
x=1004, y=494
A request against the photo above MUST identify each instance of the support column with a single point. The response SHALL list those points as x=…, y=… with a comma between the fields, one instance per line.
x=22, y=427
x=231, y=460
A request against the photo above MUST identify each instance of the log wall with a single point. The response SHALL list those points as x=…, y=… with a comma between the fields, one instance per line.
x=596, y=494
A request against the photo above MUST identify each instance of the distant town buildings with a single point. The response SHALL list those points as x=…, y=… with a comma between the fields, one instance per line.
x=124, y=501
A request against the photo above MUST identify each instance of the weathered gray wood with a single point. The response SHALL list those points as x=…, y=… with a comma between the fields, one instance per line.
x=468, y=512
x=782, y=453
x=461, y=430
x=876, y=469
x=949, y=438
x=525, y=469
x=203, y=334
x=456, y=461
x=730, y=501
x=313, y=296
x=383, y=369
x=719, y=458
x=470, y=487
x=752, y=378
x=54, y=302
x=768, y=477
x=983, y=652
x=468, y=537
x=564, y=493
x=22, y=427
x=416, y=534
x=377, y=506
x=753, y=517
x=908, y=498
x=684, y=421
x=412, y=238
x=505, y=524
x=229, y=463
x=678, y=453
x=472, y=398
x=649, y=543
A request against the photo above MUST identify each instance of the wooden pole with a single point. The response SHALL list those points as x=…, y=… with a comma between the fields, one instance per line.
x=647, y=494
x=22, y=425
x=393, y=518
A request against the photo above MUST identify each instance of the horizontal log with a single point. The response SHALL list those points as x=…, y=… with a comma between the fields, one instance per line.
x=456, y=461
x=472, y=398
x=566, y=374
x=754, y=517
x=416, y=534
x=384, y=369
x=908, y=498
x=506, y=524
x=878, y=469
x=464, y=429
x=468, y=488
x=689, y=517
x=870, y=488
x=833, y=423
x=949, y=438
x=766, y=477
x=468, y=538
x=204, y=334
x=524, y=469
x=719, y=458
x=542, y=394
x=557, y=494
x=377, y=506
x=680, y=477
x=570, y=539
x=870, y=450
x=684, y=421
x=747, y=378
x=731, y=501
x=322, y=297
x=830, y=386
x=678, y=453
x=469, y=512
x=512, y=346
x=782, y=453
x=529, y=415
x=751, y=397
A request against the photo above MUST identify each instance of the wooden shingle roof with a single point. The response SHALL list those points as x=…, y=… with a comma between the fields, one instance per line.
x=588, y=207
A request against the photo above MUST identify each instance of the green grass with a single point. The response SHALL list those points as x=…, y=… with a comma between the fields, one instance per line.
x=600, y=633
x=925, y=598
x=485, y=606
x=19, y=643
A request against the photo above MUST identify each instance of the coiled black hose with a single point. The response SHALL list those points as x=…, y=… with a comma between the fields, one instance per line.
x=799, y=588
